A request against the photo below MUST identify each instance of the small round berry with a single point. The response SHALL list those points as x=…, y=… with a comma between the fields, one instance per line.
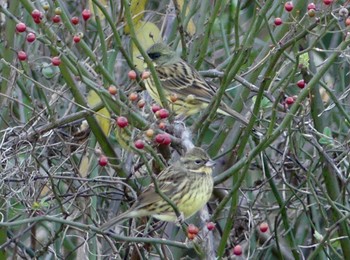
x=145, y=74
x=139, y=144
x=163, y=139
x=21, y=27
x=86, y=14
x=56, y=61
x=289, y=100
x=149, y=133
x=76, y=38
x=263, y=227
x=112, y=90
x=311, y=6
x=162, y=113
x=278, y=21
x=237, y=250
x=58, y=11
x=192, y=229
x=167, y=139
x=133, y=96
x=31, y=37
x=141, y=103
x=191, y=236
x=122, y=121
x=132, y=75
x=102, y=161
x=301, y=83
x=74, y=20
x=311, y=13
x=288, y=6
x=173, y=97
x=36, y=14
x=162, y=125
x=347, y=21
x=46, y=6
x=37, y=20
x=210, y=226
x=155, y=108
x=22, y=55
x=327, y=2
x=56, y=19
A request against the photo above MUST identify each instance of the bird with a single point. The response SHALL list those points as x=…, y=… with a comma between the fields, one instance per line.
x=178, y=78
x=188, y=183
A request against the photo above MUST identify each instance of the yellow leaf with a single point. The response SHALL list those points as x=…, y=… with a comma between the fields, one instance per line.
x=102, y=115
x=147, y=34
x=191, y=28
x=99, y=13
x=137, y=8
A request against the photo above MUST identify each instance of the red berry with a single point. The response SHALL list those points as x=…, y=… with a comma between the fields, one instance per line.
x=36, y=14
x=76, y=38
x=103, y=160
x=56, y=61
x=311, y=6
x=133, y=96
x=22, y=55
x=74, y=20
x=86, y=14
x=162, y=113
x=327, y=2
x=162, y=125
x=191, y=236
x=167, y=139
x=163, y=139
x=301, y=83
x=139, y=144
x=289, y=6
x=132, y=75
x=145, y=74
x=122, y=121
x=31, y=37
x=347, y=21
x=21, y=27
x=155, y=108
x=210, y=226
x=112, y=90
x=237, y=250
x=289, y=100
x=278, y=21
x=264, y=227
x=37, y=20
x=192, y=229
x=56, y=19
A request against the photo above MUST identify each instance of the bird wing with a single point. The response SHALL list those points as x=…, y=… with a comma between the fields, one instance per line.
x=182, y=79
x=169, y=180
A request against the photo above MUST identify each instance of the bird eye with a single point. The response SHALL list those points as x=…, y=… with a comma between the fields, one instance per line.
x=154, y=55
x=198, y=161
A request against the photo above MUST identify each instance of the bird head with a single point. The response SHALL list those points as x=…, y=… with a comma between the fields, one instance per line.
x=198, y=161
x=161, y=54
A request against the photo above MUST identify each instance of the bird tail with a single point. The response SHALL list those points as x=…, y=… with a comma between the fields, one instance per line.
x=114, y=221
x=227, y=111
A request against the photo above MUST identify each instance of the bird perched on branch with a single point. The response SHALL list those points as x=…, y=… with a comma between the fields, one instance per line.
x=178, y=78
x=187, y=183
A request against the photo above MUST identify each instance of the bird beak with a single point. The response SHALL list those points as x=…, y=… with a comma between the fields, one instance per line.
x=210, y=163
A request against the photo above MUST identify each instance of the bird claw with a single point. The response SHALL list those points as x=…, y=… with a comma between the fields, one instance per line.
x=180, y=219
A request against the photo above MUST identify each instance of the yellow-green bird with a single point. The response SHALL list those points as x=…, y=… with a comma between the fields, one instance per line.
x=188, y=183
x=179, y=78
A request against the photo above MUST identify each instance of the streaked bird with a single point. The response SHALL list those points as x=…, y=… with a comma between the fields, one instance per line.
x=188, y=183
x=179, y=78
